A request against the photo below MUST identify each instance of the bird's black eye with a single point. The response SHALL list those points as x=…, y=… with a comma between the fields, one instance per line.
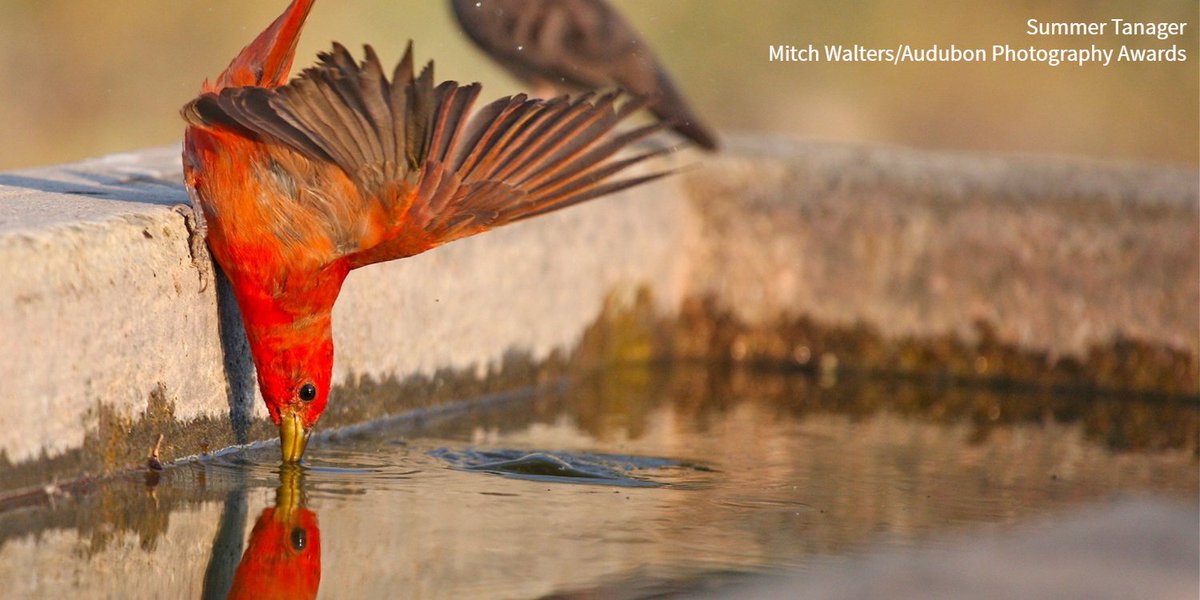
x=299, y=539
x=308, y=392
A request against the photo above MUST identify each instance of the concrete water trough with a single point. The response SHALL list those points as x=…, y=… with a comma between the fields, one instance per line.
x=1024, y=270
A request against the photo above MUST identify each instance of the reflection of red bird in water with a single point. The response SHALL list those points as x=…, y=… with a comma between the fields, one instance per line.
x=283, y=558
x=297, y=185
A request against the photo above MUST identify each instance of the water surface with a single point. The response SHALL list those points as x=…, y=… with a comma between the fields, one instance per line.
x=628, y=484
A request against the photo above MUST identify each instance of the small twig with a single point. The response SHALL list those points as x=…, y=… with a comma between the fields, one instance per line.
x=153, y=460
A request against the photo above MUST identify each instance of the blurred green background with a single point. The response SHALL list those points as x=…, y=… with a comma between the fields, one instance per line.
x=85, y=77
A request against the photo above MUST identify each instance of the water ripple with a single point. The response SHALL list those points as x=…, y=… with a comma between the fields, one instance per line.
x=565, y=467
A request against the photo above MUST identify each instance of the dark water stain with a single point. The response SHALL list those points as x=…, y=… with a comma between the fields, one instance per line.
x=708, y=332
x=117, y=442
x=120, y=442
x=1130, y=394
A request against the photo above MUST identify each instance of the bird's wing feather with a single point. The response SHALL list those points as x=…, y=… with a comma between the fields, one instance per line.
x=411, y=147
x=578, y=43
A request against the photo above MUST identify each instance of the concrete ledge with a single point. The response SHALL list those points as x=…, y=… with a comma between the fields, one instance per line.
x=107, y=335
x=1058, y=254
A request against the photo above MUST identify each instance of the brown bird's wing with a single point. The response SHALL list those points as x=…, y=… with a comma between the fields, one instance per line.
x=580, y=43
x=410, y=147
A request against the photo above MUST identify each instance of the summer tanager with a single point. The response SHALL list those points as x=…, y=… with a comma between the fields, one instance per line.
x=296, y=185
x=577, y=45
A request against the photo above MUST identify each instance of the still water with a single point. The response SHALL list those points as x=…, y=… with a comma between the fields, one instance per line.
x=631, y=483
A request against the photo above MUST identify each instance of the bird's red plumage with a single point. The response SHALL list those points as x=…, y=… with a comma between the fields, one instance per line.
x=341, y=168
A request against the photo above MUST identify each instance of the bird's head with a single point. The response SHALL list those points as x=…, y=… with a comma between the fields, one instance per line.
x=296, y=389
x=294, y=363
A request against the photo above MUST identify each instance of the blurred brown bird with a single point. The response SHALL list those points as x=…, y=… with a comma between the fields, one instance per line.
x=571, y=45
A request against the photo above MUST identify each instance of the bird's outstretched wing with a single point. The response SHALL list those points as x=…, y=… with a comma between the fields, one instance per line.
x=436, y=174
x=583, y=44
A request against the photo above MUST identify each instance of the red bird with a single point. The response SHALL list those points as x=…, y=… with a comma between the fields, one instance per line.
x=283, y=557
x=296, y=185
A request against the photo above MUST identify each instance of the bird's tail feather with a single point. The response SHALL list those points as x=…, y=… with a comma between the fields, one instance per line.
x=268, y=59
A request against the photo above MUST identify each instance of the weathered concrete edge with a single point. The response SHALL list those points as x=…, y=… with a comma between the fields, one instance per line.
x=105, y=320
x=1057, y=255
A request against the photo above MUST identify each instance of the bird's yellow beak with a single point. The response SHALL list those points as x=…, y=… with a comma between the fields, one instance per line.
x=293, y=436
